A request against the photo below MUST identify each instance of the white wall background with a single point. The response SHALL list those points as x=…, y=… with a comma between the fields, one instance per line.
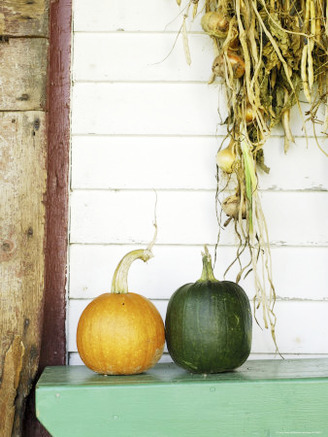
x=143, y=120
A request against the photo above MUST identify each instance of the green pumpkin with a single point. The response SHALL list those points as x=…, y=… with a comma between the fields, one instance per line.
x=209, y=324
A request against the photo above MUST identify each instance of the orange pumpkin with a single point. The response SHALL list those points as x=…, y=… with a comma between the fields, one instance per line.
x=121, y=333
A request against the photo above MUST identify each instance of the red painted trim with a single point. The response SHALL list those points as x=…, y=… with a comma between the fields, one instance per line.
x=53, y=345
x=53, y=349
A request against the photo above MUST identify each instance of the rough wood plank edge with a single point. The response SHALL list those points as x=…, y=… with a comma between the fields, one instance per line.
x=24, y=18
x=23, y=179
x=53, y=342
x=11, y=375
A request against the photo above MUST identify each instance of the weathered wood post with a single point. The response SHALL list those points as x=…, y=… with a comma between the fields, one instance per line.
x=23, y=146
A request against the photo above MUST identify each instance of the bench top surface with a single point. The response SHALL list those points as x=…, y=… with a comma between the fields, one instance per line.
x=261, y=398
x=166, y=373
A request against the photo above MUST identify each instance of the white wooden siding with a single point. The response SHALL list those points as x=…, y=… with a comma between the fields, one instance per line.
x=185, y=163
x=143, y=120
x=292, y=338
x=93, y=265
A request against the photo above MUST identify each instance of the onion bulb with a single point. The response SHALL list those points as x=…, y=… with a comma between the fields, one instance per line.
x=234, y=44
x=236, y=62
x=226, y=158
x=249, y=113
x=231, y=207
x=215, y=23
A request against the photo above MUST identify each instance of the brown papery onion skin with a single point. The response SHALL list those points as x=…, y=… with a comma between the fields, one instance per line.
x=231, y=206
x=215, y=23
x=249, y=114
x=237, y=64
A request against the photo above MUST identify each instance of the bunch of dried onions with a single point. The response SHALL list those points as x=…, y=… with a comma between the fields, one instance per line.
x=266, y=53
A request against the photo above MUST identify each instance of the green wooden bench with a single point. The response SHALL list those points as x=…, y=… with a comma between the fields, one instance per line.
x=263, y=398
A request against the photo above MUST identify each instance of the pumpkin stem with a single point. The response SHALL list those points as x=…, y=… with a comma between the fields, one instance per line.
x=207, y=273
x=120, y=278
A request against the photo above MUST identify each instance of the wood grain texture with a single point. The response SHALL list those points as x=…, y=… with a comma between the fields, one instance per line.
x=24, y=18
x=262, y=398
x=23, y=72
x=22, y=222
x=53, y=342
x=11, y=376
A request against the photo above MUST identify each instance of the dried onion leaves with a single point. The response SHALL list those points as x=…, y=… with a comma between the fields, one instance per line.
x=266, y=53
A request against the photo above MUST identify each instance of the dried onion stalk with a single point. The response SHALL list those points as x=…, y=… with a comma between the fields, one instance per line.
x=266, y=53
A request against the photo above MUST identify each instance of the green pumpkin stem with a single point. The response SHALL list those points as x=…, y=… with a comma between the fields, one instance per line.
x=120, y=278
x=207, y=273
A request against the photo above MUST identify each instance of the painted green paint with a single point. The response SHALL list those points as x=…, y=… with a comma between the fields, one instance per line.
x=263, y=398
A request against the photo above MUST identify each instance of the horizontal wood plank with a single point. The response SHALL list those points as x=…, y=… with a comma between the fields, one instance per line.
x=160, y=109
x=127, y=16
x=156, y=109
x=23, y=72
x=293, y=335
x=186, y=217
x=152, y=162
x=74, y=401
x=298, y=272
x=143, y=162
x=133, y=57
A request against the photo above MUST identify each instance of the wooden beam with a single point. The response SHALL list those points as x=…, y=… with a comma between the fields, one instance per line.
x=53, y=351
x=23, y=175
x=53, y=342
x=22, y=221
x=23, y=109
